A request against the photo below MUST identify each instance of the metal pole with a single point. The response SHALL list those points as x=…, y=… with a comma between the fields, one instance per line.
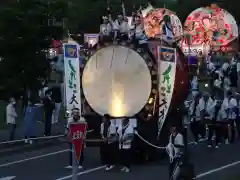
x=74, y=165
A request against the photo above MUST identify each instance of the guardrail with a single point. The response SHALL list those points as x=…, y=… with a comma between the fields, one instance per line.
x=37, y=138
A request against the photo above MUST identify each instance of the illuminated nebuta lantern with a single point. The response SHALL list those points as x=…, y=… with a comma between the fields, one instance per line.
x=208, y=28
x=153, y=21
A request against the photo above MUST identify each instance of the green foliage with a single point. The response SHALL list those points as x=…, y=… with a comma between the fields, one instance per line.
x=26, y=32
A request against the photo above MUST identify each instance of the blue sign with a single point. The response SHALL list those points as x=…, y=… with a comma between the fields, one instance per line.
x=70, y=51
x=166, y=54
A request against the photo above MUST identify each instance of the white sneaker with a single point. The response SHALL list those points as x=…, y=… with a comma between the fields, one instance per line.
x=226, y=141
x=80, y=167
x=216, y=147
x=209, y=146
x=25, y=141
x=69, y=167
x=109, y=167
x=123, y=169
x=30, y=141
x=195, y=143
x=201, y=140
x=127, y=170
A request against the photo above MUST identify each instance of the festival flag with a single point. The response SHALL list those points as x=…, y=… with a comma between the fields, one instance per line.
x=78, y=133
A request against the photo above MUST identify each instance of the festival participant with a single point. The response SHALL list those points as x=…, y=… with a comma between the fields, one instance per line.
x=194, y=113
x=217, y=87
x=194, y=86
x=74, y=118
x=175, y=149
x=106, y=29
x=126, y=136
x=237, y=122
x=230, y=108
x=139, y=33
x=226, y=85
x=209, y=119
x=206, y=105
x=218, y=122
x=225, y=68
x=121, y=28
x=109, y=146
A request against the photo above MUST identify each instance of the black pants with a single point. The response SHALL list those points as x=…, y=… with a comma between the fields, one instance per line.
x=218, y=126
x=172, y=166
x=125, y=157
x=48, y=124
x=231, y=136
x=70, y=155
x=109, y=153
x=210, y=132
x=11, y=130
x=197, y=129
x=237, y=121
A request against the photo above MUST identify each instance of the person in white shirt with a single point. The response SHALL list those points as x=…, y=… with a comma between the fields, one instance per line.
x=126, y=136
x=217, y=87
x=226, y=85
x=121, y=28
x=206, y=107
x=175, y=150
x=138, y=29
x=225, y=68
x=11, y=116
x=75, y=117
x=109, y=146
x=194, y=86
x=106, y=29
x=194, y=114
x=237, y=122
x=230, y=114
x=211, y=67
x=217, y=119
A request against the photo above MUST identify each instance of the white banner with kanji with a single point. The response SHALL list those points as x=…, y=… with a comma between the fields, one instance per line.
x=72, y=75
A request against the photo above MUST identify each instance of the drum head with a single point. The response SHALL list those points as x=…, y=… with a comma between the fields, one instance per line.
x=116, y=80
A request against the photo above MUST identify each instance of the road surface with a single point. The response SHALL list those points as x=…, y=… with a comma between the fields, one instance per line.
x=50, y=163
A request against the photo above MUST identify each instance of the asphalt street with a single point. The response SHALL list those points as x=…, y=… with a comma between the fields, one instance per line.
x=50, y=163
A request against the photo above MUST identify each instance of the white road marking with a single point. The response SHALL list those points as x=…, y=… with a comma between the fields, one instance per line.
x=40, y=156
x=83, y=172
x=33, y=158
x=217, y=169
x=8, y=178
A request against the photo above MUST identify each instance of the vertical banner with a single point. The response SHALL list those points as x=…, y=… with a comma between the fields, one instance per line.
x=78, y=133
x=72, y=75
x=167, y=69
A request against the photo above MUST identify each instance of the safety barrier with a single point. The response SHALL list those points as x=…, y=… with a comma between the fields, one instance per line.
x=37, y=138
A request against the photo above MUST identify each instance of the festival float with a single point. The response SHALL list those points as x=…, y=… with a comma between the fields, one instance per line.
x=129, y=80
x=209, y=29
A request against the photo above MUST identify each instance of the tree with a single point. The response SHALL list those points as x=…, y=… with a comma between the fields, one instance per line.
x=26, y=32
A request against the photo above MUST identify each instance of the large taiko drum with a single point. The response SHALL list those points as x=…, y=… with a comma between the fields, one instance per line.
x=119, y=80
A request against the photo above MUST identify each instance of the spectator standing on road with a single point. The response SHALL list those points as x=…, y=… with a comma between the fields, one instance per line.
x=75, y=117
x=11, y=116
x=57, y=98
x=48, y=109
x=29, y=122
